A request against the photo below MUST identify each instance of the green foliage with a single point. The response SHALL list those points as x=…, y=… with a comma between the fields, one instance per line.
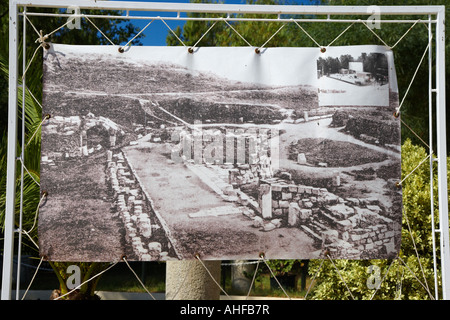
x=31, y=161
x=284, y=267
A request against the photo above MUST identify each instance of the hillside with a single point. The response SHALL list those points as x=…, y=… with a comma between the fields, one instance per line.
x=103, y=84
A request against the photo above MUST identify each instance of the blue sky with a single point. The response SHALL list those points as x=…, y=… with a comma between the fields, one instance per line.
x=156, y=33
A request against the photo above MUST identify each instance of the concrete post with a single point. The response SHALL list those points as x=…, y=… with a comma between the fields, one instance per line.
x=189, y=280
x=241, y=274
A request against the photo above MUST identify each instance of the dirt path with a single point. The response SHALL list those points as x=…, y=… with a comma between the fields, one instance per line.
x=218, y=230
x=77, y=223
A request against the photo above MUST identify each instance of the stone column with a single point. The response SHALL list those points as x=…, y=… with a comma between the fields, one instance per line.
x=336, y=179
x=189, y=280
x=265, y=200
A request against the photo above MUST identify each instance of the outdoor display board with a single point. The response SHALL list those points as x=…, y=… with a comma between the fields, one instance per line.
x=156, y=153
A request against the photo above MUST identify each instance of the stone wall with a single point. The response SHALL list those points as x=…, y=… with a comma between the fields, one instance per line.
x=250, y=173
x=347, y=227
x=220, y=146
x=69, y=138
x=141, y=230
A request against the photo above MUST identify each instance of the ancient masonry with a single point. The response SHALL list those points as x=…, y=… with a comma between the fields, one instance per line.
x=344, y=227
x=141, y=230
x=347, y=227
x=220, y=146
x=72, y=135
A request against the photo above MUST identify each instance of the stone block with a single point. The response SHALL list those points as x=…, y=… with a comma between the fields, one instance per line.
x=284, y=204
x=155, y=247
x=294, y=214
x=336, y=181
x=372, y=201
x=344, y=225
x=353, y=201
x=141, y=250
x=389, y=234
x=301, y=158
x=258, y=222
x=277, y=187
x=276, y=195
x=269, y=226
x=229, y=190
x=278, y=212
x=329, y=236
x=341, y=211
x=243, y=199
x=305, y=214
x=345, y=236
x=374, y=208
x=276, y=222
x=390, y=248
x=306, y=203
x=286, y=196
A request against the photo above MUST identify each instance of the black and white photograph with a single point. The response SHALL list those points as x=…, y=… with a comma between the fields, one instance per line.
x=348, y=80
x=158, y=153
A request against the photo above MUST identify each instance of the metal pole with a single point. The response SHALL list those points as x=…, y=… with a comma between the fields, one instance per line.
x=442, y=153
x=22, y=156
x=229, y=8
x=431, y=151
x=8, y=250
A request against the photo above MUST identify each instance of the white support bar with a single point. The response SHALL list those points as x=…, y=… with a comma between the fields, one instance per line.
x=442, y=153
x=431, y=152
x=230, y=8
x=8, y=249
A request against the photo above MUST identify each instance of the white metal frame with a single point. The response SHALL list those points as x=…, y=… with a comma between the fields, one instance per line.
x=436, y=16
